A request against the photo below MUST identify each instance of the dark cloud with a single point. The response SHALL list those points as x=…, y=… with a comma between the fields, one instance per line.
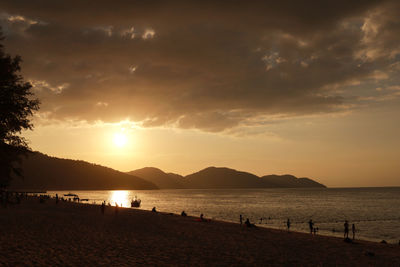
x=204, y=65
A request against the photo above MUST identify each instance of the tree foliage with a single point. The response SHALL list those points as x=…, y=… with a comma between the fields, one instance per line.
x=17, y=104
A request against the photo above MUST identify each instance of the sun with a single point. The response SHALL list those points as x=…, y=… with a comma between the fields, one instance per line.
x=120, y=139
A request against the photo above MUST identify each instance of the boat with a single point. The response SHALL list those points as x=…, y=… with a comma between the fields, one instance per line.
x=135, y=203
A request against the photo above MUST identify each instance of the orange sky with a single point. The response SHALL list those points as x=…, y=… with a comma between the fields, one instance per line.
x=267, y=87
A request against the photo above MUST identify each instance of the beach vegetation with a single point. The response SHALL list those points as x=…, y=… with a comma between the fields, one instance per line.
x=17, y=104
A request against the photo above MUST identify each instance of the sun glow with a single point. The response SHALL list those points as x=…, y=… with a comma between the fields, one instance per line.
x=120, y=139
x=120, y=197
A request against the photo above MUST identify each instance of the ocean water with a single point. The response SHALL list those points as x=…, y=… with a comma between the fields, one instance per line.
x=374, y=211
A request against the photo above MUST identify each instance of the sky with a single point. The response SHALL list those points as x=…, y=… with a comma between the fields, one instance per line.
x=309, y=88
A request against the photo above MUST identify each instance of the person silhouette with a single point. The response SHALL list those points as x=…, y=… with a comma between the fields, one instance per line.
x=346, y=229
x=311, y=225
x=103, y=207
x=154, y=209
x=248, y=223
x=241, y=219
x=183, y=213
x=353, y=230
x=288, y=224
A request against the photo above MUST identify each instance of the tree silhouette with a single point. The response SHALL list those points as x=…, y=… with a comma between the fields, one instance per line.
x=16, y=107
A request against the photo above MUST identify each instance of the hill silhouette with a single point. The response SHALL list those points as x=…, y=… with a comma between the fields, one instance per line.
x=42, y=172
x=288, y=180
x=158, y=177
x=213, y=177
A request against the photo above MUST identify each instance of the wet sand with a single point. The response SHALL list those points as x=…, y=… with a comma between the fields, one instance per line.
x=69, y=234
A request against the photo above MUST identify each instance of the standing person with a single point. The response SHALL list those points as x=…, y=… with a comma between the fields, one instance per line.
x=288, y=224
x=353, y=229
x=241, y=219
x=56, y=198
x=311, y=225
x=346, y=229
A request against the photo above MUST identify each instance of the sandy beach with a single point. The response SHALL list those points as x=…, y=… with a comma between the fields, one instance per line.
x=71, y=234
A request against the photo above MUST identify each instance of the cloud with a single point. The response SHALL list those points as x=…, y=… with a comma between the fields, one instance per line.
x=210, y=66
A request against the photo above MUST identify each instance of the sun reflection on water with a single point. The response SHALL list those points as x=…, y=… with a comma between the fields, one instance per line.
x=120, y=197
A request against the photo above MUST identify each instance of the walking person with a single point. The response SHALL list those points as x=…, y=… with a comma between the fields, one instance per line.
x=346, y=229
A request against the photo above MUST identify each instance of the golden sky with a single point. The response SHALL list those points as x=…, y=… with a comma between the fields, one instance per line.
x=309, y=88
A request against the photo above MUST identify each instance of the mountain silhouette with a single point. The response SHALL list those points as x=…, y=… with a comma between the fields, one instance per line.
x=213, y=177
x=158, y=177
x=42, y=172
x=221, y=177
x=288, y=180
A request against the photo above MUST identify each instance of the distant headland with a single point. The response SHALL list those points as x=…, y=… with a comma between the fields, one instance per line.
x=42, y=172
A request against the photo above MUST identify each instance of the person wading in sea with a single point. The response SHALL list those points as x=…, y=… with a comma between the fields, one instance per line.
x=346, y=229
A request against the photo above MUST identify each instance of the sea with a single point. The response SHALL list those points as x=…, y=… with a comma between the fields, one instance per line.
x=374, y=211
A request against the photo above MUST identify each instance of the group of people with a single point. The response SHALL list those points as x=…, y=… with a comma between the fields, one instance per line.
x=247, y=223
x=346, y=230
x=314, y=230
x=7, y=197
x=311, y=225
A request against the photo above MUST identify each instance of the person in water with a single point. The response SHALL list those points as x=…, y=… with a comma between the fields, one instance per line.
x=346, y=229
x=311, y=225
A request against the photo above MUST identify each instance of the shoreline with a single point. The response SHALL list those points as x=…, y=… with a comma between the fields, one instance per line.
x=331, y=227
x=71, y=234
x=336, y=232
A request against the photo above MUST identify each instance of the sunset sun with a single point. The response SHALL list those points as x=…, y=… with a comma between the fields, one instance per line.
x=120, y=139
